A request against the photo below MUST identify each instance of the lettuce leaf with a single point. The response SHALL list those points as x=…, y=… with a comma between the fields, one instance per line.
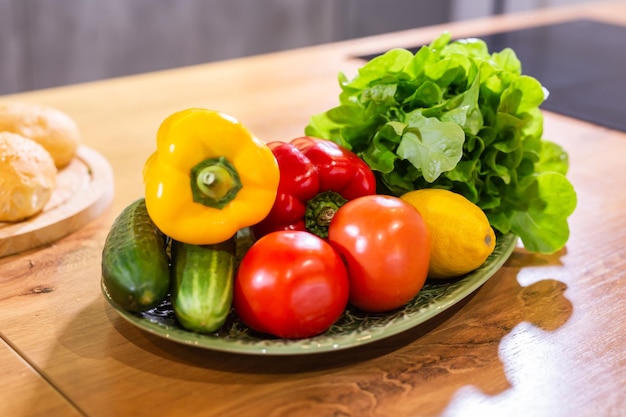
x=455, y=116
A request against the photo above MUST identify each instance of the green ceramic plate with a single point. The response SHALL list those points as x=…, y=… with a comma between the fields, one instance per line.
x=354, y=328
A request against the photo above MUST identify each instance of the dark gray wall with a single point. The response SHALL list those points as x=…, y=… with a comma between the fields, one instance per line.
x=45, y=43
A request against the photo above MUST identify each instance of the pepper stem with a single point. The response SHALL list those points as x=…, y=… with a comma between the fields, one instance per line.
x=214, y=182
x=320, y=211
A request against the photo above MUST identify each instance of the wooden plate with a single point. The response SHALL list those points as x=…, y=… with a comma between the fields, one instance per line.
x=84, y=189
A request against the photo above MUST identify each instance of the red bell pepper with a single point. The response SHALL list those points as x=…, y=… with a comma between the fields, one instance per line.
x=317, y=177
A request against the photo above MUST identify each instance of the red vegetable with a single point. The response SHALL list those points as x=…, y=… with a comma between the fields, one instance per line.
x=290, y=284
x=386, y=246
x=317, y=177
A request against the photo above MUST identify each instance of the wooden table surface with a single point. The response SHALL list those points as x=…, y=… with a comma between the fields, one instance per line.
x=544, y=337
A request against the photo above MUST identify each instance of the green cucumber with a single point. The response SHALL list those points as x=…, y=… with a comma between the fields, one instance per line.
x=135, y=263
x=202, y=284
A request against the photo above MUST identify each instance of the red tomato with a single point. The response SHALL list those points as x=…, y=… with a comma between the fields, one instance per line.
x=291, y=284
x=386, y=246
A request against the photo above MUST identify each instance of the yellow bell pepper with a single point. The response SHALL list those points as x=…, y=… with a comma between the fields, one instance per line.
x=208, y=178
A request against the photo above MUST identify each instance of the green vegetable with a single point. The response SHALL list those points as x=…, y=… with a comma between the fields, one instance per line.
x=455, y=116
x=135, y=264
x=202, y=284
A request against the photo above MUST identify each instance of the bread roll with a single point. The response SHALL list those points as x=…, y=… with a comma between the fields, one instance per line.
x=27, y=177
x=51, y=128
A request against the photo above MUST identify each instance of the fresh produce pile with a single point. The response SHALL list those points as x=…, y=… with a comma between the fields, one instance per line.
x=404, y=181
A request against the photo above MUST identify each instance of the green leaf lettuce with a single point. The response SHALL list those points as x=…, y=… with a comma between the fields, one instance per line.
x=455, y=116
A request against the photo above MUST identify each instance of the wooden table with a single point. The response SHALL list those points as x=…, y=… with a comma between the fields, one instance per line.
x=544, y=337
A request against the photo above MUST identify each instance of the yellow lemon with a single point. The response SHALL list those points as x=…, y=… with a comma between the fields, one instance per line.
x=461, y=236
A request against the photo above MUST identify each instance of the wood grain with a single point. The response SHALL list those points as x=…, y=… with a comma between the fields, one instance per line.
x=543, y=337
x=84, y=189
x=23, y=392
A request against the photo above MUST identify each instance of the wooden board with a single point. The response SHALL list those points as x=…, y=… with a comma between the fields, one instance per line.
x=84, y=189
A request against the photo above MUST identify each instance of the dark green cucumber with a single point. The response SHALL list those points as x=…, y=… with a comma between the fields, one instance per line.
x=135, y=263
x=202, y=284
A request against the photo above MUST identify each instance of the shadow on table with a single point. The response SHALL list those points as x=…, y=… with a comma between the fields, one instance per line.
x=459, y=347
x=477, y=322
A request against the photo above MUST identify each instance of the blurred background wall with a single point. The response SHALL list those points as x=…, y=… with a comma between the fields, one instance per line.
x=47, y=43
